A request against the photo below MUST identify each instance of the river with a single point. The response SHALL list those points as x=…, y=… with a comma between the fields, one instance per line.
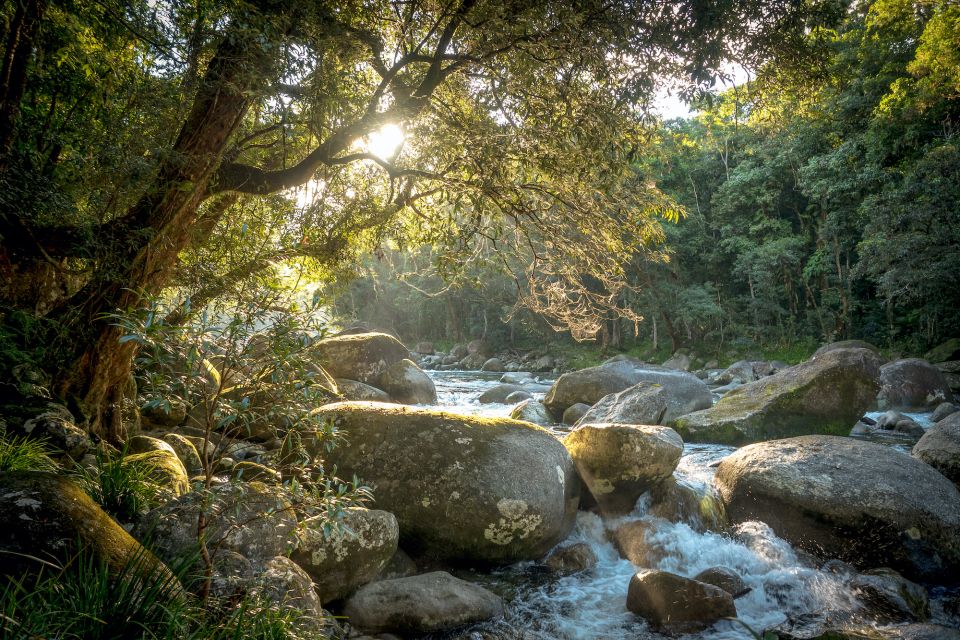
x=786, y=586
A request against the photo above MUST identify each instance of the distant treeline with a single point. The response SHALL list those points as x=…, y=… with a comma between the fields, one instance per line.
x=819, y=206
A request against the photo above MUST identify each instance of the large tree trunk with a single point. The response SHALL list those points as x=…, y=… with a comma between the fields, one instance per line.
x=141, y=251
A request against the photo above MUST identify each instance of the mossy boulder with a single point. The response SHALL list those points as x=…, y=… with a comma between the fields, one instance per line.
x=685, y=391
x=826, y=394
x=165, y=470
x=949, y=350
x=362, y=356
x=407, y=383
x=47, y=518
x=858, y=501
x=846, y=344
x=619, y=462
x=467, y=488
x=344, y=555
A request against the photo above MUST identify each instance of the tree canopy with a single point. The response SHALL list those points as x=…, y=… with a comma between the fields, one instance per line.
x=154, y=144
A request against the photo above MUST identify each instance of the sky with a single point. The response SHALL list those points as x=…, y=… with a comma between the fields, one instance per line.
x=671, y=106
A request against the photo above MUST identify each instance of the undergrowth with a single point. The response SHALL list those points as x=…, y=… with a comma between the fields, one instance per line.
x=87, y=601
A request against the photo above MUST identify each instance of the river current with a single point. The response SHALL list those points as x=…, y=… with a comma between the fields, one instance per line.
x=788, y=590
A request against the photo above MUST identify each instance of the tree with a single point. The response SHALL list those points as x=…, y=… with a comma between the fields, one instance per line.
x=518, y=116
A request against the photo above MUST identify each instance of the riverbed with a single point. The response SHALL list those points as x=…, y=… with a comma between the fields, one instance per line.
x=788, y=589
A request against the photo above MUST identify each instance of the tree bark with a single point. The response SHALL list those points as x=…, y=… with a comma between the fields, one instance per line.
x=141, y=252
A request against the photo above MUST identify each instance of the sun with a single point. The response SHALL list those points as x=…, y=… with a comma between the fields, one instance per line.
x=385, y=142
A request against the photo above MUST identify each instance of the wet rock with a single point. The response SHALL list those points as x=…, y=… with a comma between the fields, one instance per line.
x=679, y=501
x=518, y=396
x=169, y=412
x=571, y=558
x=251, y=519
x=676, y=604
x=517, y=377
x=348, y=554
x=890, y=597
x=407, y=383
x=619, y=462
x=926, y=632
x=427, y=603
x=48, y=518
x=631, y=541
x=827, y=394
x=643, y=403
x=686, y=391
x=362, y=357
x=940, y=447
x=492, y=364
x=573, y=413
x=943, y=410
x=355, y=390
x=912, y=383
x=727, y=579
x=857, y=501
x=462, y=487
x=532, y=411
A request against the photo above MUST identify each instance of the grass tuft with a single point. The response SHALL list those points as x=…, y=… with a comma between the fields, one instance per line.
x=20, y=453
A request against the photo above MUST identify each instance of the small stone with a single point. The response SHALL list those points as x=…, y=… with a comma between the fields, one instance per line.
x=726, y=579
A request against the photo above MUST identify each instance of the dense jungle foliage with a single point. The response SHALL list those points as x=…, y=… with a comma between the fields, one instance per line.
x=817, y=206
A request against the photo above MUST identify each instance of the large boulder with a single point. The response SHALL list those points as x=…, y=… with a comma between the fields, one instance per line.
x=45, y=518
x=643, y=403
x=844, y=498
x=407, y=383
x=619, y=462
x=355, y=390
x=428, y=603
x=912, y=383
x=361, y=357
x=826, y=394
x=940, y=447
x=462, y=487
x=686, y=391
x=349, y=554
x=252, y=519
x=675, y=604
x=949, y=350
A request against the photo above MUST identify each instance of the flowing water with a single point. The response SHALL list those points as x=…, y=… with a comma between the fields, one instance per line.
x=786, y=586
